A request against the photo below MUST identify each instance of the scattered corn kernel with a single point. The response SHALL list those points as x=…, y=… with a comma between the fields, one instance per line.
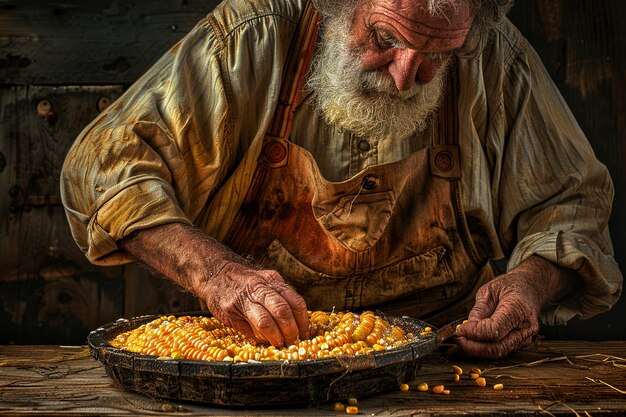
x=481, y=382
x=352, y=401
x=438, y=389
x=472, y=375
x=464, y=322
x=339, y=407
x=457, y=370
x=404, y=387
x=446, y=392
x=428, y=329
x=422, y=387
x=476, y=371
x=498, y=386
x=456, y=377
x=352, y=409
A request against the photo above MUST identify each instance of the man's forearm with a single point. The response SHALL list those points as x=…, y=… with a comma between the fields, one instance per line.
x=255, y=301
x=183, y=254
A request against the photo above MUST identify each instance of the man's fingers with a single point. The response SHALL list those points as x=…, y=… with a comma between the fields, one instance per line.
x=280, y=309
x=263, y=325
x=298, y=309
x=508, y=315
x=490, y=329
x=286, y=306
x=242, y=326
x=273, y=310
x=273, y=296
x=495, y=350
x=484, y=306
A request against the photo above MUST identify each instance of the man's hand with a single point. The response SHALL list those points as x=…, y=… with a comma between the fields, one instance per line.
x=503, y=319
x=258, y=303
x=505, y=316
x=254, y=301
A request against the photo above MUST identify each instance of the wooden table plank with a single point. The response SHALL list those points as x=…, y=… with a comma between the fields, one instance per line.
x=551, y=378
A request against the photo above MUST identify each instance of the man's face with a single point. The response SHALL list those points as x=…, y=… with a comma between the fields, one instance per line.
x=382, y=69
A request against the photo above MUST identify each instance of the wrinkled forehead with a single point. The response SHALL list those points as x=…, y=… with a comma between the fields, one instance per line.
x=413, y=21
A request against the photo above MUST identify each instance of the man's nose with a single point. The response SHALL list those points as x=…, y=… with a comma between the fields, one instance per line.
x=408, y=67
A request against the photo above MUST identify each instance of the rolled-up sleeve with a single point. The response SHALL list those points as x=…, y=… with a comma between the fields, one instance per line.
x=555, y=196
x=160, y=152
x=146, y=160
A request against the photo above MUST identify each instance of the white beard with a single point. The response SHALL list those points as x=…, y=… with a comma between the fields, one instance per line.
x=367, y=103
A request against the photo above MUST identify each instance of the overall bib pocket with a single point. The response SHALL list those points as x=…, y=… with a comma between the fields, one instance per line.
x=425, y=273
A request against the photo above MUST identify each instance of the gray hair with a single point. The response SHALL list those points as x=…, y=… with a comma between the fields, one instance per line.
x=489, y=15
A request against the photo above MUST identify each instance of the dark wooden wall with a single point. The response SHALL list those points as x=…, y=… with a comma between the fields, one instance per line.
x=583, y=45
x=63, y=62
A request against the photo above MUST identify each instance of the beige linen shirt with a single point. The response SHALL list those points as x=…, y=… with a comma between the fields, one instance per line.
x=159, y=154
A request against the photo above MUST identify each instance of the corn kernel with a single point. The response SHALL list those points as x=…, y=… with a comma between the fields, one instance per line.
x=352, y=409
x=457, y=370
x=339, y=407
x=438, y=389
x=498, y=386
x=481, y=382
x=404, y=387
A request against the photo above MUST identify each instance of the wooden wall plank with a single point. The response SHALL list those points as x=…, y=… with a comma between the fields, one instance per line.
x=89, y=42
x=48, y=285
x=47, y=121
x=8, y=172
x=583, y=45
x=9, y=259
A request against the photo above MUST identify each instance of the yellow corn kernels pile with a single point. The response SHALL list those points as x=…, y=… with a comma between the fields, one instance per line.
x=206, y=338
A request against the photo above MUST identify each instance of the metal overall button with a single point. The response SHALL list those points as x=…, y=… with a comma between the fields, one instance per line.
x=370, y=182
x=444, y=161
x=364, y=146
x=275, y=152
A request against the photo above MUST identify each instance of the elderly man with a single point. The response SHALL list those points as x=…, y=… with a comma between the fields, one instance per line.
x=424, y=144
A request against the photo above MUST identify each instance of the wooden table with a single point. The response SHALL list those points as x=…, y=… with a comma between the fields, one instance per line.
x=551, y=378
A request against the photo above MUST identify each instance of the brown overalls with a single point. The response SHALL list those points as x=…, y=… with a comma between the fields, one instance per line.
x=393, y=237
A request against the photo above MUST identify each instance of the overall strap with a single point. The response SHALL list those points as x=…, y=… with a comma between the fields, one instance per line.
x=294, y=71
x=448, y=114
x=445, y=160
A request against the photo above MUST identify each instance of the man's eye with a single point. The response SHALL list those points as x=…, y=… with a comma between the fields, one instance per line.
x=384, y=41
